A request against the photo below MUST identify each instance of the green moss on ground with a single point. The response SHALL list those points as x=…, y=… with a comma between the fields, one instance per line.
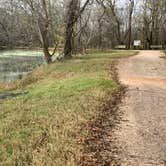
x=45, y=126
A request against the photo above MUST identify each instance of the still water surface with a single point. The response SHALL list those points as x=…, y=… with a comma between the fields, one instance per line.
x=16, y=63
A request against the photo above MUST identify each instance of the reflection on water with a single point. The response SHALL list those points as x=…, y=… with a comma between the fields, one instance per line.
x=16, y=63
x=10, y=76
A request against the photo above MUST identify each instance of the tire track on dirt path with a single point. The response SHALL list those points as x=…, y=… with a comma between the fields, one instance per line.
x=141, y=136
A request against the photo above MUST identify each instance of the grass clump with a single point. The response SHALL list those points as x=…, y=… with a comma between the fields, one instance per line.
x=163, y=54
x=46, y=126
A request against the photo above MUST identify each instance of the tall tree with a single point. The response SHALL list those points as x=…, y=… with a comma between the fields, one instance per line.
x=109, y=7
x=74, y=11
x=41, y=15
x=131, y=7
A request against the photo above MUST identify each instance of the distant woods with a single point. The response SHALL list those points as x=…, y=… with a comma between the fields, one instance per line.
x=75, y=25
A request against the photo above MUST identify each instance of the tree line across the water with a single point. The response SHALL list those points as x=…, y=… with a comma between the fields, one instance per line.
x=75, y=25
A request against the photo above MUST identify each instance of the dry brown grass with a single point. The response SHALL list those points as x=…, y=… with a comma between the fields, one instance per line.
x=47, y=126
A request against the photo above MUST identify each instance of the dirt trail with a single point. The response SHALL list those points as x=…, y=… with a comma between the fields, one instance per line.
x=141, y=136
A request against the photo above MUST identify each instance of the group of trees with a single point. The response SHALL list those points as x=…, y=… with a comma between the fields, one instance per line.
x=74, y=25
x=154, y=23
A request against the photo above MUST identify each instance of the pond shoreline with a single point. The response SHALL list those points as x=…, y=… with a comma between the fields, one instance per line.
x=15, y=63
x=7, y=95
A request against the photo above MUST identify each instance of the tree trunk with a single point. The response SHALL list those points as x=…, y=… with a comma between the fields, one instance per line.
x=68, y=41
x=47, y=56
x=129, y=35
x=130, y=23
x=71, y=19
x=72, y=15
x=43, y=30
x=119, y=33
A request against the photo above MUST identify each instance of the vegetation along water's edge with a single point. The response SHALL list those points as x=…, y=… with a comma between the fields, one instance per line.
x=50, y=124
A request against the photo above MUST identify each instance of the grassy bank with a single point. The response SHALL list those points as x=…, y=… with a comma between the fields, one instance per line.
x=46, y=126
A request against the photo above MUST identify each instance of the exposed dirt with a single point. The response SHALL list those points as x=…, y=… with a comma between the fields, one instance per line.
x=141, y=136
x=132, y=131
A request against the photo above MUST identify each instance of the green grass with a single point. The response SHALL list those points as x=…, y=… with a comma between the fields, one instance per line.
x=46, y=126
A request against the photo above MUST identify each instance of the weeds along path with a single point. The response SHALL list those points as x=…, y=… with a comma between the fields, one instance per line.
x=141, y=136
x=99, y=145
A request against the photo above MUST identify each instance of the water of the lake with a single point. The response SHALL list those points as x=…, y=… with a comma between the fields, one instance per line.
x=16, y=63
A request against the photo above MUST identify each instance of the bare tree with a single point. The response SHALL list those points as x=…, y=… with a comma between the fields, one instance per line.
x=79, y=24
x=41, y=15
x=153, y=22
x=74, y=11
x=131, y=8
x=110, y=5
x=110, y=8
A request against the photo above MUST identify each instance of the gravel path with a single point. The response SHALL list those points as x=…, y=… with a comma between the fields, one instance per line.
x=141, y=136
